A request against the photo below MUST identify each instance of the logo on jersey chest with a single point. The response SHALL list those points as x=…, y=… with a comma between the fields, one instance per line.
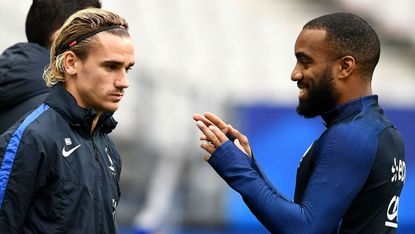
x=67, y=150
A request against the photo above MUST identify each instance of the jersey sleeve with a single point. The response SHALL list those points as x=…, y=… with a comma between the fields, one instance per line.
x=22, y=170
x=342, y=166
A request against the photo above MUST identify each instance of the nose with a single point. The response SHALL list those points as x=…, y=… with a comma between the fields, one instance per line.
x=122, y=81
x=296, y=74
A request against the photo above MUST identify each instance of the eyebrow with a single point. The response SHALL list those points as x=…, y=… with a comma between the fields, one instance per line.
x=115, y=63
x=131, y=64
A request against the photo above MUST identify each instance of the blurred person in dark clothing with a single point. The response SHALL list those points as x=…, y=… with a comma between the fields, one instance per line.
x=21, y=65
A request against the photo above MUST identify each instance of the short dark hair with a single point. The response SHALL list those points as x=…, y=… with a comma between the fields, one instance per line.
x=46, y=16
x=349, y=34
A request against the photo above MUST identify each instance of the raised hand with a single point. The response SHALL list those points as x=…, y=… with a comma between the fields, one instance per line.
x=214, y=130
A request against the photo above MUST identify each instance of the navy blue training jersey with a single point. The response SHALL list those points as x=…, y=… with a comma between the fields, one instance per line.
x=349, y=181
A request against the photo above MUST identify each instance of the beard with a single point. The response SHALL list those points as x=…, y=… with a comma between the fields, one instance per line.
x=321, y=98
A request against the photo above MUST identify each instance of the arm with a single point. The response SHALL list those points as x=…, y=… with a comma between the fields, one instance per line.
x=337, y=178
x=21, y=164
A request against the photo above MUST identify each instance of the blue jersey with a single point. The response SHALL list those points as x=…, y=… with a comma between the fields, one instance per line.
x=349, y=181
x=55, y=175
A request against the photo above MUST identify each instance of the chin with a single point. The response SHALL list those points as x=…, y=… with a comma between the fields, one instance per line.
x=109, y=108
x=112, y=110
x=307, y=110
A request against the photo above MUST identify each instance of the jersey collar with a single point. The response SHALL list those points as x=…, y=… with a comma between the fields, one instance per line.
x=347, y=109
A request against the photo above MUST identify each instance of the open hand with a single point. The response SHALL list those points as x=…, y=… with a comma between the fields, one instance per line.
x=214, y=130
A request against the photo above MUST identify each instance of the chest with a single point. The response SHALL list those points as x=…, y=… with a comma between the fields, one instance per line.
x=89, y=162
x=305, y=168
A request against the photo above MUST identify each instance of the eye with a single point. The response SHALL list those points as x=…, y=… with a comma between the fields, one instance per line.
x=111, y=67
x=305, y=63
x=128, y=69
x=304, y=60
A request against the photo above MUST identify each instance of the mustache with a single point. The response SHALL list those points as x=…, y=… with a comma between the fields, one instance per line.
x=301, y=85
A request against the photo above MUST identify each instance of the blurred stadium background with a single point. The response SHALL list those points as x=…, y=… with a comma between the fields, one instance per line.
x=233, y=58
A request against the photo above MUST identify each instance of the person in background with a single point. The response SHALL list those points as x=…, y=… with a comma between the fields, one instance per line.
x=351, y=177
x=21, y=65
x=59, y=170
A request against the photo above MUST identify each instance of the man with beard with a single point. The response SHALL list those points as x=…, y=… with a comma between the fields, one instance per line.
x=351, y=177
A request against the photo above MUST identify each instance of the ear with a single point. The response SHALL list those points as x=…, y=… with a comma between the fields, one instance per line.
x=70, y=62
x=347, y=64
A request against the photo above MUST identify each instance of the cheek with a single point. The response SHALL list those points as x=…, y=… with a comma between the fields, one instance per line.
x=91, y=88
x=97, y=80
x=309, y=79
x=314, y=76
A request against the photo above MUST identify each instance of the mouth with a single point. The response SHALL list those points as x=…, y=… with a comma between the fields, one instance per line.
x=117, y=96
x=303, y=90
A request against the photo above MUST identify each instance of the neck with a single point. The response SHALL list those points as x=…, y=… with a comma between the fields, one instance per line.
x=354, y=92
x=94, y=123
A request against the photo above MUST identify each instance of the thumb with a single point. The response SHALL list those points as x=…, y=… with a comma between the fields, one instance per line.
x=240, y=141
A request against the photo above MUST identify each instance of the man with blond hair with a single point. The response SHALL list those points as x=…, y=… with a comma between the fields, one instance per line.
x=59, y=169
x=22, y=64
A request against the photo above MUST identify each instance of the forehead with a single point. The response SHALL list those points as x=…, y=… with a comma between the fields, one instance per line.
x=311, y=42
x=113, y=47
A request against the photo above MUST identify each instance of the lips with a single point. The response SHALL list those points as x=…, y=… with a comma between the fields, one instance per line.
x=117, y=96
x=303, y=89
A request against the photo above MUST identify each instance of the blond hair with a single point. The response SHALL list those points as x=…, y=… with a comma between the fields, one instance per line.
x=83, y=22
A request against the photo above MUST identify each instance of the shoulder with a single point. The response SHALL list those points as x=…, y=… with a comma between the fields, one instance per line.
x=24, y=137
x=22, y=49
x=355, y=141
x=38, y=124
x=365, y=127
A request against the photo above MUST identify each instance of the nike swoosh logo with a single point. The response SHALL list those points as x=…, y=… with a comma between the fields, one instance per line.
x=69, y=152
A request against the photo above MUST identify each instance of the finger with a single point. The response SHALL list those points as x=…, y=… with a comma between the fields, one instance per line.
x=210, y=136
x=219, y=134
x=216, y=121
x=208, y=147
x=234, y=132
x=198, y=117
x=207, y=157
x=203, y=137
